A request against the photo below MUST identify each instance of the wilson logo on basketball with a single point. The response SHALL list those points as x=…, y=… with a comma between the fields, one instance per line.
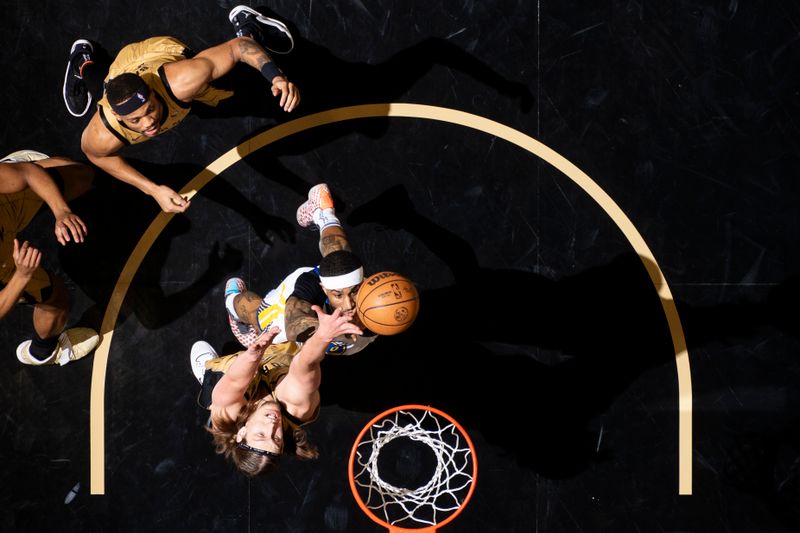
x=377, y=277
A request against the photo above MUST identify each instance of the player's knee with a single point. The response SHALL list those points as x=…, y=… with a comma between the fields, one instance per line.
x=59, y=297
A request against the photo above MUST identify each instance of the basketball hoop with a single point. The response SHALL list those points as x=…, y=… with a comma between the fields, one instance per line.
x=431, y=504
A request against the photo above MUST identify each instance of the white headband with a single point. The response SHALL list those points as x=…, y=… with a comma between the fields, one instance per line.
x=333, y=283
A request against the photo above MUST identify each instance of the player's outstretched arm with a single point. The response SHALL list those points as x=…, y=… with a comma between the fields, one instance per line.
x=189, y=77
x=101, y=149
x=229, y=392
x=300, y=387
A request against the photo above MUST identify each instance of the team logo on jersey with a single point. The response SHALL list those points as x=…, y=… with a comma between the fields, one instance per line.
x=337, y=347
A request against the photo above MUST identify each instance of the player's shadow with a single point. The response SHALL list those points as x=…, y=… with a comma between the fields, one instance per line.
x=529, y=361
x=316, y=69
x=765, y=464
x=117, y=216
x=327, y=82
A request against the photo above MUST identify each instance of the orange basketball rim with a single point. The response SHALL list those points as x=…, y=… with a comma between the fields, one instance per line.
x=433, y=504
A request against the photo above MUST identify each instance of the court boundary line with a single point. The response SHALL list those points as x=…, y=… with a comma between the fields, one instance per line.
x=395, y=110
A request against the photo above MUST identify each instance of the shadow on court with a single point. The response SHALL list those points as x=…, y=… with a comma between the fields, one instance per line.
x=503, y=349
x=328, y=82
x=118, y=216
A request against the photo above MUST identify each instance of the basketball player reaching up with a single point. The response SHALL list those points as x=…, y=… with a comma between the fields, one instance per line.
x=267, y=393
x=287, y=333
x=331, y=285
x=151, y=87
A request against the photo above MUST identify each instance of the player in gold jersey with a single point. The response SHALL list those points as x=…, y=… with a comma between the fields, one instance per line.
x=150, y=88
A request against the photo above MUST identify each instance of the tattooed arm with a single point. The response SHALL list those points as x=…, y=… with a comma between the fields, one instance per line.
x=189, y=77
x=301, y=319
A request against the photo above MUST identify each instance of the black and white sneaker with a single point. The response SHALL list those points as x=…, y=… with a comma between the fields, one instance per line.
x=76, y=95
x=247, y=23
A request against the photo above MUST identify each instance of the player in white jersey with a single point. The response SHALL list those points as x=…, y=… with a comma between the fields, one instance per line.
x=331, y=285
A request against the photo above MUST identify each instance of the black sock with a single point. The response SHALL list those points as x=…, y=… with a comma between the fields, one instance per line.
x=42, y=348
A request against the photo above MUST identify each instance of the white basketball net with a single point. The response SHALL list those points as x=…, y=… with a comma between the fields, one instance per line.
x=431, y=503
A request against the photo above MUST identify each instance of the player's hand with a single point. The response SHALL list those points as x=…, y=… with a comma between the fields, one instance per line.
x=352, y=316
x=26, y=258
x=170, y=201
x=262, y=341
x=69, y=226
x=335, y=324
x=357, y=320
x=290, y=94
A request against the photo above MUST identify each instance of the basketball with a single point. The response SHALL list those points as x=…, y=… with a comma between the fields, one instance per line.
x=387, y=303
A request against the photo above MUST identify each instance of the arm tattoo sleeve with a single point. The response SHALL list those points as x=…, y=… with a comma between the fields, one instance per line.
x=252, y=54
x=301, y=320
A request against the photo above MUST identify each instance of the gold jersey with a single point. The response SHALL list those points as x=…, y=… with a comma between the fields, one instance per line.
x=147, y=59
x=274, y=366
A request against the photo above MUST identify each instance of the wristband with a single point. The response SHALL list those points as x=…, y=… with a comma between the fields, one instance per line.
x=269, y=70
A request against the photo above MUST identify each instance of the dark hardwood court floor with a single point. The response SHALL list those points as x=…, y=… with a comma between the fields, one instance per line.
x=541, y=329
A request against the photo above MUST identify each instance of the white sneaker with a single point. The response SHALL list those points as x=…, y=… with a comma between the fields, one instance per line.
x=200, y=354
x=24, y=156
x=73, y=344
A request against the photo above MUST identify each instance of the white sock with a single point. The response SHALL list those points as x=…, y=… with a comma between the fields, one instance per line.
x=229, y=306
x=324, y=218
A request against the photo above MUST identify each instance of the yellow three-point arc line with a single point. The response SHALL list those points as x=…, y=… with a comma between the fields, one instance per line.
x=97, y=407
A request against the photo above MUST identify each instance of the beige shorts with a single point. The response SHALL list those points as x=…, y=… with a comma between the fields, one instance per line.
x=16, y=212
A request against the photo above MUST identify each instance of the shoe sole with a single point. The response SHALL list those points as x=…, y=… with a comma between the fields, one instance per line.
x=268, y=21
x=66, y=77
x=242, y=9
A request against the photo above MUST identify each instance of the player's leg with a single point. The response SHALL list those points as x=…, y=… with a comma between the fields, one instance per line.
x=319, y=211
x=51, y=343
x=242, y=306
x=50, y=316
